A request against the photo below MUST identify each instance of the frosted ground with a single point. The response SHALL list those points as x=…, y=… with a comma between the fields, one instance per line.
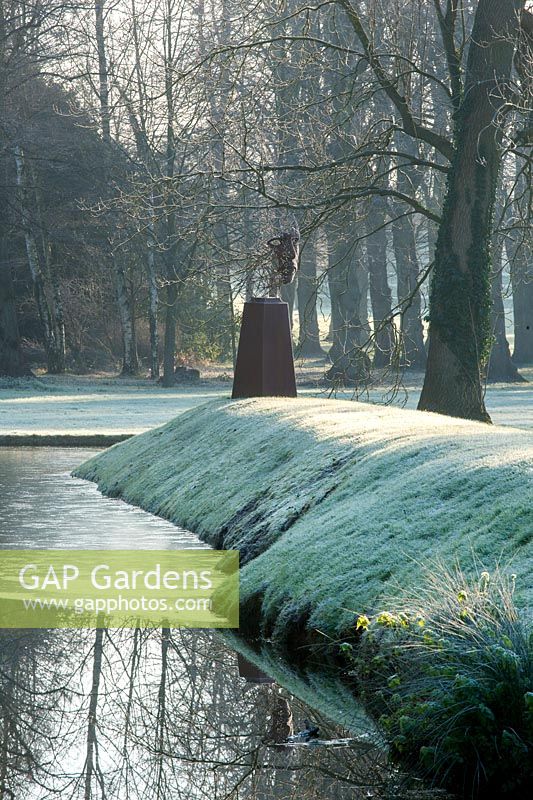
x=105, y=405
x=306, y=482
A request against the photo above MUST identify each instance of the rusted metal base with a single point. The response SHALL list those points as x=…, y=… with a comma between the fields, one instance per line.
x=252, y=673
x=265, y=363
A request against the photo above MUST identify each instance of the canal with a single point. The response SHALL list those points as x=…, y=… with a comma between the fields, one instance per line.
x=122, y=714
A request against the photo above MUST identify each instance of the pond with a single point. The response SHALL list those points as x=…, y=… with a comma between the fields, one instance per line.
x=155, y=714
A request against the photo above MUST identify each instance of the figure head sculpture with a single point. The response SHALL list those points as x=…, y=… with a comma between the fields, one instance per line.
x=285, y=251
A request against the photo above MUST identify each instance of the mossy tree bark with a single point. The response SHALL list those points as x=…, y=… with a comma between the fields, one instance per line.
x=460, y=298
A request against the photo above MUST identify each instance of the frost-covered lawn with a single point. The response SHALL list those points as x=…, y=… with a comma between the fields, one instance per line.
x=332, y=504
x=78, y=406
x=83, y=405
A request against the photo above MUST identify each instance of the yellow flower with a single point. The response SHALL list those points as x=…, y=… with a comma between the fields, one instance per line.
x=362, y=623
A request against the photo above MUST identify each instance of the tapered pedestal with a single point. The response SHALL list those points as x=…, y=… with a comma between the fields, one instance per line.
x=265, y=364
x=252, y=673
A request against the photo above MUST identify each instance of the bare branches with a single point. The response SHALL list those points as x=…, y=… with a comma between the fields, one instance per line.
x=388, y=84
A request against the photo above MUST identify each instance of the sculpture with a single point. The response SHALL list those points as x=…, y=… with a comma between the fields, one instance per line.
x=285, y=253
x=265, y=364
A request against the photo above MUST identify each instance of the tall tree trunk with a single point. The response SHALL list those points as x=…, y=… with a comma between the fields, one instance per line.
x=408, y=271
x=12, y=362
x=288, y=295
x=350, y=364
x=130, y=361
x=459, y=339
x=407, y=265
x=309, y=334
x=171, y=302
x=500, y=367
x=522, y=284
x=45, y=297
x=137, y=118
x=363, y=279
x=380, y=292
x=153, y=298
x=519, y=251
x=103, y=78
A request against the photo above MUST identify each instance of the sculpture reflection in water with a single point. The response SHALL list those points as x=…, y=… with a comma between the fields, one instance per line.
x=160, y=714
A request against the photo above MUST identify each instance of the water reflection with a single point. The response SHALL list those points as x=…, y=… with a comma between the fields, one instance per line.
x=134, y=714
x=161, y=715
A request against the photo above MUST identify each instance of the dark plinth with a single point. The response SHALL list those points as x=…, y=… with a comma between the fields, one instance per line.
x=265, y=364
x=252, y=673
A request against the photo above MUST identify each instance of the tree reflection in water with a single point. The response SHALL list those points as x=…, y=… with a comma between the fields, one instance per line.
x=163, y=715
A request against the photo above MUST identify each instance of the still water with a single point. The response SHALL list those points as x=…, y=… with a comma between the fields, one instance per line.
x=42, y=505
x=163, y=715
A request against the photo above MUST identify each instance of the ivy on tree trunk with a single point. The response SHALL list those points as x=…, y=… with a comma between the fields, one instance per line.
x=460, y=297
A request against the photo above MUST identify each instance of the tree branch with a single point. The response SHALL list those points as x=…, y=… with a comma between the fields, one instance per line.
x=410, y=126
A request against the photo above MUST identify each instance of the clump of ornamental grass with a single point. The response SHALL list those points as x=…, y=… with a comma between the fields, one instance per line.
x=450, y=679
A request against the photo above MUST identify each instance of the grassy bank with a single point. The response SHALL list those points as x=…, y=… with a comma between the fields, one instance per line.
x=333, y=505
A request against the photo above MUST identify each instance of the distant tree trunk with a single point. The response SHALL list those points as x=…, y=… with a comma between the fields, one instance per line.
x=520, y=256
x=380, y=292
x=171, y=310
x=153, y=304
x=501, y=367
x=288, y=295
x=350, y=364
x=408, y=270
x=103, y=78
x=138, y=124
x=50, y=313
x=130, y=361
x=522, y=284
x=335, y=320
x=171, y=252
x=12, y=362
x=459, y=339
x=169, y=344
x=225, y=300
x=363, y=279
x=309, y=334
x=408, y=267
x=57, y=304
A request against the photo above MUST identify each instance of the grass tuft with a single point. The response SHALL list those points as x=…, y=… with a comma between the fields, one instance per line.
x=449, y=676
